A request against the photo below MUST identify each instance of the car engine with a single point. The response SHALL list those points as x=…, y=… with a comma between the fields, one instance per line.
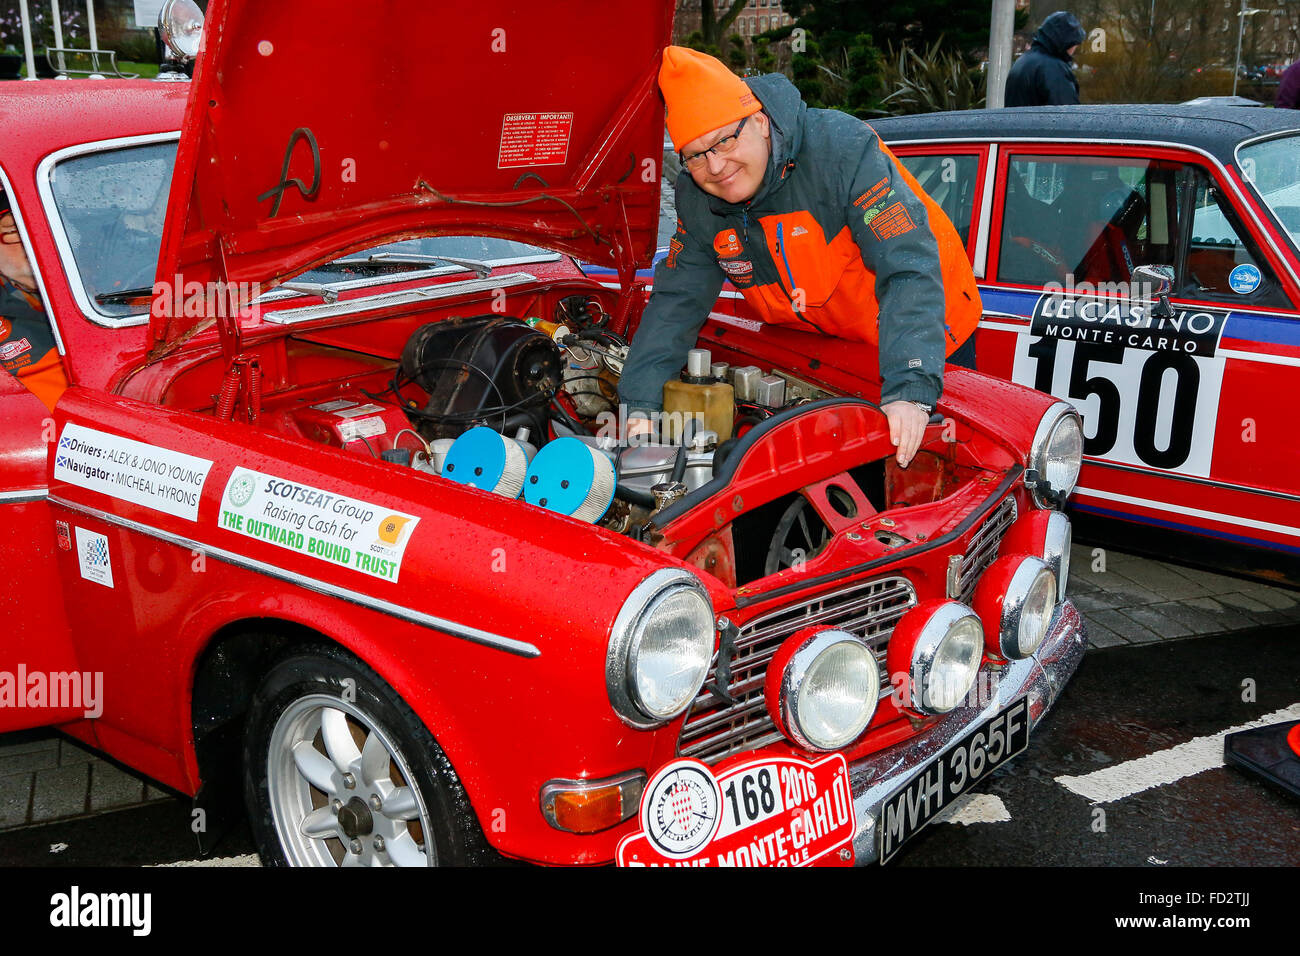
x=528, y=408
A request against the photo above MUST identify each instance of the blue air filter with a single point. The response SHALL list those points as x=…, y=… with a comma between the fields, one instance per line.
x=483, y=458
x=572, y=478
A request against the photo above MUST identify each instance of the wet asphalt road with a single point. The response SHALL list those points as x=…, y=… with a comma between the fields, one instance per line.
x=1124, y=703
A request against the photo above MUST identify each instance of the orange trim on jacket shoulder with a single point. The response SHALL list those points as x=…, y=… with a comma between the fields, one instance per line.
x=962, y=306
x=45, y=378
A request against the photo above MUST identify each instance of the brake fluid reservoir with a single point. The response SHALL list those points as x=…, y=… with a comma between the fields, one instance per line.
x=698, y=396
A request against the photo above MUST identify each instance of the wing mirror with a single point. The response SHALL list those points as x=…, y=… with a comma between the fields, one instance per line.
x=1154, y=283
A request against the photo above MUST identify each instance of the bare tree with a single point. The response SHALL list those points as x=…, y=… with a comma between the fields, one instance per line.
x=714, y=25
x=1143, y=51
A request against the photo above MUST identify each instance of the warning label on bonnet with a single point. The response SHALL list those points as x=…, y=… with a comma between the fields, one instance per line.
x=534, y=139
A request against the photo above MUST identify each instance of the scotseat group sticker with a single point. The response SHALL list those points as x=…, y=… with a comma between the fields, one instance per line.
x=321, y=524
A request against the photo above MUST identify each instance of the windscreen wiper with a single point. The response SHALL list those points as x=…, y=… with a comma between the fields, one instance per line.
x=328, y=293
x=123, y=296
x=481, y=269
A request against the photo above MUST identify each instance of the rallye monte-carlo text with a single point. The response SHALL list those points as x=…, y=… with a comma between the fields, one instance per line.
x=336, y=505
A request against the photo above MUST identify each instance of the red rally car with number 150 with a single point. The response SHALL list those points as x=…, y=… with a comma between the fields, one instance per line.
x=328, y=505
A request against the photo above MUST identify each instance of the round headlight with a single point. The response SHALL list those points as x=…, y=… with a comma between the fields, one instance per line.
x=181, y=24
x=660, y=648
x=1015, y=599
x=938, y=646
x=1057, y=452
x=1035, y=612
x=826, y=693
x=1056, y=549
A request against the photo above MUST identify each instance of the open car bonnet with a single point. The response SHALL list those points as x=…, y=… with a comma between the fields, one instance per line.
x=316, y=129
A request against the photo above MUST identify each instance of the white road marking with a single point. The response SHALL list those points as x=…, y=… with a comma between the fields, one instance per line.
x=1163, y=766
x=248, y=859
x=975, y=808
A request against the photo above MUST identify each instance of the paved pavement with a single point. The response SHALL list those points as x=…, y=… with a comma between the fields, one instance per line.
x=1126, y=599
x=46, y=776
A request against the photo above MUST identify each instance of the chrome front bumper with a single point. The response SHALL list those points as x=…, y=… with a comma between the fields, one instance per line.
x=1042, y=677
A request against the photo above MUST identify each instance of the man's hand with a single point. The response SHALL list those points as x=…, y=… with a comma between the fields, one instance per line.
x=637, y=427
x=906, y=427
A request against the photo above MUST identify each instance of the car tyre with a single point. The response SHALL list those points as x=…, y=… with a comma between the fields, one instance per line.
x=339, y=771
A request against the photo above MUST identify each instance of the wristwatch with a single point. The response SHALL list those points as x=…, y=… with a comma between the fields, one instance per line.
x=928, y=409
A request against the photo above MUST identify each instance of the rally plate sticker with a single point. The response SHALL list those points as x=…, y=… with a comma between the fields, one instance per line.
x=776, y=811
x=321, y=524
x=1147, y=387
x=951, y=774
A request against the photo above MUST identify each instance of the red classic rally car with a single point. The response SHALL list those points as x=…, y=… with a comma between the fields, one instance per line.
x=331, y=512
x=1187, y=409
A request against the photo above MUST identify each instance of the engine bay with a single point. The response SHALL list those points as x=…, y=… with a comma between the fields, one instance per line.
x=527, y=407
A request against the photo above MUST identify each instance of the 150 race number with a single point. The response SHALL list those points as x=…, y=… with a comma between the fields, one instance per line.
x=1147, y=387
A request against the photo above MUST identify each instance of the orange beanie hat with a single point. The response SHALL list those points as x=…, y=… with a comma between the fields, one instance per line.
x=702, y=94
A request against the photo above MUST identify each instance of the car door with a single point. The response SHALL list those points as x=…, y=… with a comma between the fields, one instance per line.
x=1180, y=431
x=36, y=655
x=955, y=178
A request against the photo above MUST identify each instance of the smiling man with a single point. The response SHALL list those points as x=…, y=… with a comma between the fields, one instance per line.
x=817, y=225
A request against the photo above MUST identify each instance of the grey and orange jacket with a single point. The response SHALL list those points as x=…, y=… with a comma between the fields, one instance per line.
x=27, y=347
x=839, y=228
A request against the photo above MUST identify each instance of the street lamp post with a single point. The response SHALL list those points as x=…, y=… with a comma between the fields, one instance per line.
x=27, y=40
x=56, y=17
x=1241, y=29
x=1001, y=28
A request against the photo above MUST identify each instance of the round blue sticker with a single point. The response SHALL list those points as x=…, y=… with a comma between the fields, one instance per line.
x=1244, y=279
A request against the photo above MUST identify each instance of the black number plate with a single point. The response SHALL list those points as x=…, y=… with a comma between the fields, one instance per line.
x=951, y=774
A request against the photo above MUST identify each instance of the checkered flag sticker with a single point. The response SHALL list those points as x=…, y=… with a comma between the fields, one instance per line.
x=97, y=552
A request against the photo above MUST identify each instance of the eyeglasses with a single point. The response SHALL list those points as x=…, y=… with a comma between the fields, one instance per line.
x=722, y=147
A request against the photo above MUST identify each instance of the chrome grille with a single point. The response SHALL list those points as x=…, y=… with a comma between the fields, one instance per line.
x=983, y=548
x=714, y=729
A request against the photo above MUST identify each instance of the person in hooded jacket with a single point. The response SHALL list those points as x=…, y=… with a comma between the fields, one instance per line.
x=1043, y=76
x=817, y=225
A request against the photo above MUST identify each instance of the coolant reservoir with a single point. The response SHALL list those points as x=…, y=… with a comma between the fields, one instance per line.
x=698, y=396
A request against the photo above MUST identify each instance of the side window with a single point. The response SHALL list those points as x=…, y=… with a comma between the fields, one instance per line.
x=1075, y=219
x=952, y=182
x=1222, y=261
x=111, y=206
